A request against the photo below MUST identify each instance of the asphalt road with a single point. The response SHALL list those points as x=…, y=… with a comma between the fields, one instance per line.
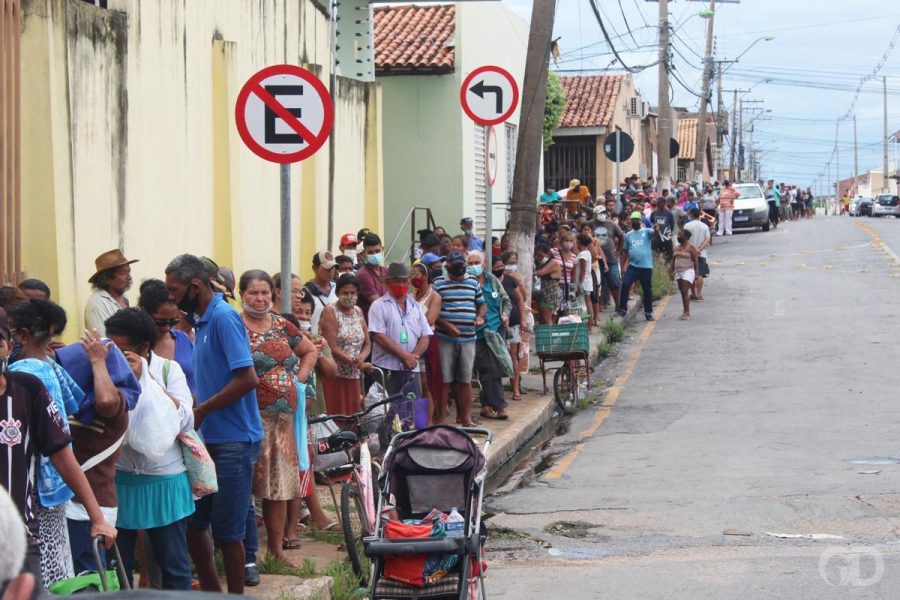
x=775, y=410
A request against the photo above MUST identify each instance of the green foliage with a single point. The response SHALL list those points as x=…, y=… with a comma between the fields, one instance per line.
x=605, y=350
x=553, y=109
x=346, y=584
x=275, y=566
x=613, y=332
x=663, y=284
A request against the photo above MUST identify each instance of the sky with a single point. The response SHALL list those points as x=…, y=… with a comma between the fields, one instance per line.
x=818, y=43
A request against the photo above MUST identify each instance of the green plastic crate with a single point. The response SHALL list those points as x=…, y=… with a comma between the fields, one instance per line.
x=569, y=337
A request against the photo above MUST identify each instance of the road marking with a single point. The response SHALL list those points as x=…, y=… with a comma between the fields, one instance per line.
x=612, y=396
x=879, y=243
x=780, y=310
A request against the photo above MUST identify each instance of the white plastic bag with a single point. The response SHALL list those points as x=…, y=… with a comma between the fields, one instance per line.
x=153, y=425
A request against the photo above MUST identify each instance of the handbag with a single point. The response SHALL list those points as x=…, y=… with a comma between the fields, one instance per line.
x=500, y=351
x=199, y=465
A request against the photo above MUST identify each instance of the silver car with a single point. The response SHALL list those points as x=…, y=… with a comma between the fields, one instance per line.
x=751, y=208
x=886, y=205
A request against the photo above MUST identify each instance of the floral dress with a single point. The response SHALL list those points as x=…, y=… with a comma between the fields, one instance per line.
x=276, y=474
x=342, y=393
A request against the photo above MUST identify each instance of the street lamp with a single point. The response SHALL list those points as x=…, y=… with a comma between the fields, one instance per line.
x=765, y=38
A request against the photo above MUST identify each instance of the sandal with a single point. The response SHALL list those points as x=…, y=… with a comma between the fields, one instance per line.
x=502, y=414
x=293, y=544
x=332, y=525
x=488, y=413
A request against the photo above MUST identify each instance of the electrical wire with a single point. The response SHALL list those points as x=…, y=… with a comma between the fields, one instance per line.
x=637, y=69
x=624, y=18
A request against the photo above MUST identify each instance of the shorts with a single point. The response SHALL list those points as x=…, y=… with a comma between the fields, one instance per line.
x=457, y=360
x=613, y=277
x=704, y=267
x=226, y=510
x=685, y=276
x=515, y=334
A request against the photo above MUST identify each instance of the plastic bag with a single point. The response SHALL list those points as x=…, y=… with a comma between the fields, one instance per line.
x=153, y=425
x=322, y=460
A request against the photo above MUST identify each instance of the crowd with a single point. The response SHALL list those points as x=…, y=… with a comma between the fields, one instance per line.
x=103, y=434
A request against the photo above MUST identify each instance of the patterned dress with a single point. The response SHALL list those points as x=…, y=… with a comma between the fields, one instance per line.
x=342, y=393
x=276, y=474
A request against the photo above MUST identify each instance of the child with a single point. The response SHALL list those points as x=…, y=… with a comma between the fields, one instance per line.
x=687, y=265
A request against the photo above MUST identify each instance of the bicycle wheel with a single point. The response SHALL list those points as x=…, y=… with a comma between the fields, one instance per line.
x=565, y=388
x=353, y=522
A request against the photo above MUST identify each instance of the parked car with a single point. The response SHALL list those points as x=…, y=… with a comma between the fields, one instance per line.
x=886, y=205
x=854, y=204
x=864, y=207
x=750, y=209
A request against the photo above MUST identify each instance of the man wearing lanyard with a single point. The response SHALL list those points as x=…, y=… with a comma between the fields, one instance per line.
x=400, y=331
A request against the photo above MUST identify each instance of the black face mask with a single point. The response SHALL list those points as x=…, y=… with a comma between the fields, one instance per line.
x=636, y=226
x=189, y=305
x=498, y=273
x=456, y=270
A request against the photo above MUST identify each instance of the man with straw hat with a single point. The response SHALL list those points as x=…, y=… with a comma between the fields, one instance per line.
x=110, y=282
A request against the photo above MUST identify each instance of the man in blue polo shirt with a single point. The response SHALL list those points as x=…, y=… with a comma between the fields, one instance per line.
x=462, y=312
x=638, y=244
x=228, y=417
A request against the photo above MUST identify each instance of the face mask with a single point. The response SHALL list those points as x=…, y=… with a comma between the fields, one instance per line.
x=475, y=270
x=304, y=326
x=4, y=360
x=259, y=314
x=636, y=225
x=512, y=268
x=348, y=301
x=189, y=305
x=417, y=282
x=351, y=253
x=468, y=231
x=601, y=217
x=398, y=290
x=498, y=273
x=375, y=259
x=568, y=245
x=456, y=270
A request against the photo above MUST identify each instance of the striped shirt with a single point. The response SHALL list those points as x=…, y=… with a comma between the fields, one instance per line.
x=459, y=305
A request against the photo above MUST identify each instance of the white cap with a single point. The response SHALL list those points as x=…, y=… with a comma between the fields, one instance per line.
x=599, y=210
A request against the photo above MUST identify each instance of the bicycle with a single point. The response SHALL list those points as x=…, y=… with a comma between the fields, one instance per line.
x=358, y=474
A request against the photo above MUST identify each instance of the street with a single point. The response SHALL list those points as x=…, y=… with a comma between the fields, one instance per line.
x=772, y=412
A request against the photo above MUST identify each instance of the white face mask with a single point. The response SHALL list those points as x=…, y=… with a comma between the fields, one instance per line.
x=304, y=326
x=256, y=313
x=511, y=268
x=351, y=253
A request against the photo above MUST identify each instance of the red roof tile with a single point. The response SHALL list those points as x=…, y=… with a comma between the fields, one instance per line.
x=590, y=100
x=411, y=38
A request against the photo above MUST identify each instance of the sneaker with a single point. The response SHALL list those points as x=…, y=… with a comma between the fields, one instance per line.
x=251, y=576
x=649, y=317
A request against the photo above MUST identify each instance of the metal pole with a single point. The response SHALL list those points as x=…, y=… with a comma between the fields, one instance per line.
x=489, y=198
x=700, y=154
x=855, y=159
x=740, y=133
x=884, y=180
x=734, y=107
x=719, y=126
x=664, y=123
x=332, y=88
x=618, y=174
x=837, y=164
x=286, y=238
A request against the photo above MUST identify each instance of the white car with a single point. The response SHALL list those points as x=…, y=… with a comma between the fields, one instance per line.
x=751, y=208
x=886, y=205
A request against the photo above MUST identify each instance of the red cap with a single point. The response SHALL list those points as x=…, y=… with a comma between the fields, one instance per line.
x=349, y=239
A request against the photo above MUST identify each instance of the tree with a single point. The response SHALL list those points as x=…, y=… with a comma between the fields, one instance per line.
x=553, y=110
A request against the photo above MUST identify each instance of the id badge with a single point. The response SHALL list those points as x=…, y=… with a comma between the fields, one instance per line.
x=404, y=337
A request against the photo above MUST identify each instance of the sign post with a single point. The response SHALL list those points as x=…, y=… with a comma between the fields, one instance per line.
x=618, y=146
x=284, y=115
x=489, y=96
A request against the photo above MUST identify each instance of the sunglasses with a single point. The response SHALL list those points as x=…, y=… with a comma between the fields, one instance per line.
x=166, y=322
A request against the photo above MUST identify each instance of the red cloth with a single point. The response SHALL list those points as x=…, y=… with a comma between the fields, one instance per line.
x=408, y=569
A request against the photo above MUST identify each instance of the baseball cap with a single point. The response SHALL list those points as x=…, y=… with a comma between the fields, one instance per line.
x=636, y=215
x=465, y=221
x=456, y=258
x=324, y=259
x=599, y=210
x=430, y=258
x=348, y=239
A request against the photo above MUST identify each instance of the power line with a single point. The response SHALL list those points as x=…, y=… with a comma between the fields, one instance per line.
x=624, y=18
x=637, y=69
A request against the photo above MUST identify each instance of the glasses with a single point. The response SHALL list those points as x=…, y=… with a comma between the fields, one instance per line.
x=300, y=291
x=166, y=322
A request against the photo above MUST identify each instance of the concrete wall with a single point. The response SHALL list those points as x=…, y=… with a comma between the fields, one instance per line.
x=429, y=143
x=130, y=139
x=606, y=169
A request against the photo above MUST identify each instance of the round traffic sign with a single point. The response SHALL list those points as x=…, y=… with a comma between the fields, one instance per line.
x=489, y=95
x=491, y=158
x=284, y=113
x=626, y=146
x=674, y=148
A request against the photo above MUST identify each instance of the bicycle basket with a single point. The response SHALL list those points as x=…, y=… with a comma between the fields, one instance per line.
x=570, y=337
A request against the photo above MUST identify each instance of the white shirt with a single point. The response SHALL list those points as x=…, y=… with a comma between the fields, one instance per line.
x=699, y=234
x=319, y=304
x=588, y=283
x=100, y=306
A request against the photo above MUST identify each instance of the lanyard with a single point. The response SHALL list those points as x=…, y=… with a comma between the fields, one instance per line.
x=404, y=336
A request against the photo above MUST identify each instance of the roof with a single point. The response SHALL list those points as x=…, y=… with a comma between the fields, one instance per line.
x=415, y=39
x=687, y=136
x=590, y=100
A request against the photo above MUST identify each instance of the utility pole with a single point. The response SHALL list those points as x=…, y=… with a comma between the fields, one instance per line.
x=837, y=163
x=855, y=160
x=523, y=206
x=700, y=155
x=750, y=153
x=740, y=164
x=664, y=123
x=719, y=125
x=884, y=185
x=734, y=130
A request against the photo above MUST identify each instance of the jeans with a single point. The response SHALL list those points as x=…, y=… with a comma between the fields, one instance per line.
x=83, y=547
x=226, y=510
x=169, y=544
x=251, y=537
x=645, y=276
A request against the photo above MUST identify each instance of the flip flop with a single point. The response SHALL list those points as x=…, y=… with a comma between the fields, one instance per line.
x=502, y=414
x=287, y=544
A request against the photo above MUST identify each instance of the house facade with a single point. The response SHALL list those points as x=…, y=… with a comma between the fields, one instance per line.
x=686, y=135
x=434, y=155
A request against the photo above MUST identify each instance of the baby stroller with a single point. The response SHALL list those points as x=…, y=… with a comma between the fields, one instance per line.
x=427, y=472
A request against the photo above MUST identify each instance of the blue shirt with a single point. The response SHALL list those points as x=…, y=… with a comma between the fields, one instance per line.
x=184, y=356
x=475, y=243
x=459, y=305
x=638, y=245
x=222, y=346
x=548, y=198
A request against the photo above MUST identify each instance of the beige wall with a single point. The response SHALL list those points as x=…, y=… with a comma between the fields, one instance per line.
x=606, y=169
x=129, y=139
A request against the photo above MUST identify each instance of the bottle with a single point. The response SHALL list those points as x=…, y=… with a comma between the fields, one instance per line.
x=456, y=524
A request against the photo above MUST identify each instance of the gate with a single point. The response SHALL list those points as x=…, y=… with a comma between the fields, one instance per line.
x=571, y=158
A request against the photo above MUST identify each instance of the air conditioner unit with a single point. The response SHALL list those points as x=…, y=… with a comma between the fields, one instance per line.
x=645, y=109
x=634, y=106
